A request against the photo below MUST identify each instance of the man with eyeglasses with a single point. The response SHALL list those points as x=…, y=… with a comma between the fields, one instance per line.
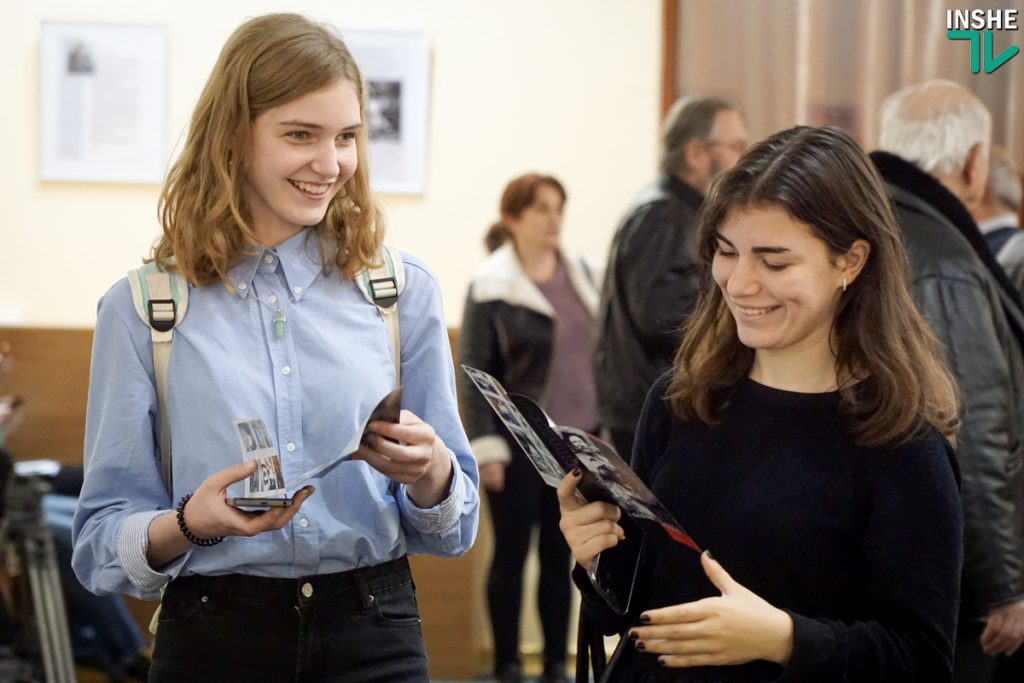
x=652, y=280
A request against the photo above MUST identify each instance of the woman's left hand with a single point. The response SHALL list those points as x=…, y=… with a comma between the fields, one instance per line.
x=411, y=453
x=735, y=628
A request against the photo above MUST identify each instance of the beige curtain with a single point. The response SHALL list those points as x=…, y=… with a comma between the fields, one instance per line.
x=833, y=62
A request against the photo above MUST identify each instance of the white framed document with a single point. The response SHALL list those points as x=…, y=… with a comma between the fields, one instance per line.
x=396, y=68
x=102, y=102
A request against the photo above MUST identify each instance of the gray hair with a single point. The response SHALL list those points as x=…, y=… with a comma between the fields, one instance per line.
x=1003, y=179
x=690, y=118
x=934, y=125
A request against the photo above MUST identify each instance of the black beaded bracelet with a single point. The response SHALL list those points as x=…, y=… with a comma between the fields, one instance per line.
x=195, y=540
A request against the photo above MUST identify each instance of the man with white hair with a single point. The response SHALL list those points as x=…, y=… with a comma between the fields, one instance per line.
x=934, y=159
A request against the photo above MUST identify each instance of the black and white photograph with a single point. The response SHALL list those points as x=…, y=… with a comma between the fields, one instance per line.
x=102, y=102
x=631, y=494
x=255, y=443
x=544, y=462
x=384, y=110
x=396, y=68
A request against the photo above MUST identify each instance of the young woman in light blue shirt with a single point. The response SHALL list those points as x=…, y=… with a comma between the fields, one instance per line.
x=268, y=214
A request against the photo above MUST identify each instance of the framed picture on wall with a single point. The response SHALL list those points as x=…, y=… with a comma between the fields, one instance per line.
x=396, y=68
x=102, y=102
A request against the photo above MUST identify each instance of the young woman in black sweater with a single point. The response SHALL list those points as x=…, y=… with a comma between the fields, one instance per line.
x=803, y=438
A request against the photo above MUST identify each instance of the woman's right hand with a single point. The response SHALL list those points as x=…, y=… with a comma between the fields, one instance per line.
x=492, y=476
x=589, y=528
x=208, y=515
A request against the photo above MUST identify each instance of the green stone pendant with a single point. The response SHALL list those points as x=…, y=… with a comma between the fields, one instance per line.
x=279, y=320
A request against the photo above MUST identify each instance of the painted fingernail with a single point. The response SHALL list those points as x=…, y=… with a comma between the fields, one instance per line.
x=644, y=619
x=640, y=646
x=708, y=553
x=577, y=472
x=633, y=635
x=661, y=660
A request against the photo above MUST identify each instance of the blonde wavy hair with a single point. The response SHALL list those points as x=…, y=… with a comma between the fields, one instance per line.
x=267, y=62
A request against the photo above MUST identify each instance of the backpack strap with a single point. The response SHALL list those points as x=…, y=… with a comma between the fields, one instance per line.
x=161, y=299
x=381, y=286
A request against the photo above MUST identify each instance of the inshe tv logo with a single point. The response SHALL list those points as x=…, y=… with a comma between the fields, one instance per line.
x=976, y=25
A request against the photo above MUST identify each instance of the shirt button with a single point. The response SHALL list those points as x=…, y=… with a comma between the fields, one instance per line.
x=290, y=446
x=272, y=299
x=307, y=590
x=304, y=522
x=242, y=286
x=268, y=258
x=297, y=289
x=287, y=370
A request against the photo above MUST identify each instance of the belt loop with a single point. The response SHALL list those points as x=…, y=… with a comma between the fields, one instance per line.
x=366, y=598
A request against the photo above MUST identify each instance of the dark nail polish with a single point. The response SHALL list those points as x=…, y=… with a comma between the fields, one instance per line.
x=577, y=472
x=661, y=661
x=633, y=635
x=644, y=619
x=708, y=553
x=639, y=647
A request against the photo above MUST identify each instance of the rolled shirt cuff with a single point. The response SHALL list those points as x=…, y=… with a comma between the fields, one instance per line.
x=442, y=516
x=132, y=546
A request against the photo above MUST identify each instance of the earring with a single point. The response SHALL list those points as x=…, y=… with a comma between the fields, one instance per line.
x=844, y=283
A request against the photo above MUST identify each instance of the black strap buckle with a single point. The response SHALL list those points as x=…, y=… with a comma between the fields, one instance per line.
x=163, y=313
x=384, y=291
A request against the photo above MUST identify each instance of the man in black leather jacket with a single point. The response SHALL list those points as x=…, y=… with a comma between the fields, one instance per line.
x=652, y=280
x=935, y=139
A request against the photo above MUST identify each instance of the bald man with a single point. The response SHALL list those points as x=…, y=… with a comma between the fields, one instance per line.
x=934, y=159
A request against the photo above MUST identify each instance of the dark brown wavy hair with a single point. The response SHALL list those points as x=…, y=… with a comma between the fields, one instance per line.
x=891, y=369
x=267, y=62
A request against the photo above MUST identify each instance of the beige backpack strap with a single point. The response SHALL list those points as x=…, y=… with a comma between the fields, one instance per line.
x=161, y=299
x=381, y=286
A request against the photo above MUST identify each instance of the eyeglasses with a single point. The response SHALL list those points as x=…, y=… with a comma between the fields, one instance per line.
x=738, y=146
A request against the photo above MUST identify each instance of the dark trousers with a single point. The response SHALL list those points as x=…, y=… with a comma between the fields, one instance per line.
x=359, y=626
x=1010, y=669
x=971, y=665
x=525, y=503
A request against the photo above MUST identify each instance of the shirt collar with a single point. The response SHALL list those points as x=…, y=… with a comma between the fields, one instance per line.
x=299, y=259
x=1006, y=220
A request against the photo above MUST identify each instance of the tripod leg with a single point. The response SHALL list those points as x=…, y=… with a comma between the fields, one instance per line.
x=51, y=619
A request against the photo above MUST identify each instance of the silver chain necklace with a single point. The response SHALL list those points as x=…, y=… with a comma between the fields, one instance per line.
x=278, y=320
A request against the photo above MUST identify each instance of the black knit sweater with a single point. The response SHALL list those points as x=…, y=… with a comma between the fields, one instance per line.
x=862, y=546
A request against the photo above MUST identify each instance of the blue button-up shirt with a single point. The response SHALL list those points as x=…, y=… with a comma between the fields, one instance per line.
x=313, y=388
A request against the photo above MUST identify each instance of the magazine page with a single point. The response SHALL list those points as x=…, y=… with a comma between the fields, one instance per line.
x=549, y=468
x=267, y=481
x=623, y=485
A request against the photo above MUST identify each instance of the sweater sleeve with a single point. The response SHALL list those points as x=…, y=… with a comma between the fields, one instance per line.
x=913, y=552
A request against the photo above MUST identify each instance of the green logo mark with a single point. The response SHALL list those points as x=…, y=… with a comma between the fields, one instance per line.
x=981, y=50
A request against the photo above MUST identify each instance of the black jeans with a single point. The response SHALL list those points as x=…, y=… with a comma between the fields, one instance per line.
x=525, y=503
x=359, y=626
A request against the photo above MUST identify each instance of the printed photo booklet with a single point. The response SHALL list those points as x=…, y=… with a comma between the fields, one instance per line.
x=266, y=486
x=555, y=451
